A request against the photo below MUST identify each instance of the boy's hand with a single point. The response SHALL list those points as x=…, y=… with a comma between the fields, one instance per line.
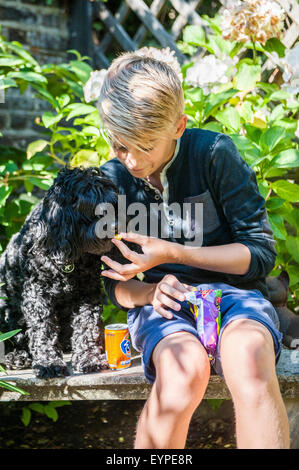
x=155, y=252
x=164, y=293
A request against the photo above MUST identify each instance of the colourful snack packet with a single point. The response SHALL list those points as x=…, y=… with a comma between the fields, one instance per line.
x=205, y=306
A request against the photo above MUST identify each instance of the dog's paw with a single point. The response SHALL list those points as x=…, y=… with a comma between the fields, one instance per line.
x=17, y=360
x=90, y=363
x=50, y=371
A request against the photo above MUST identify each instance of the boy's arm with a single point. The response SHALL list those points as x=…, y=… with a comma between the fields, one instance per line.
x=133, y=293
x=234, y=258
x=235, y=189
x=128, y=294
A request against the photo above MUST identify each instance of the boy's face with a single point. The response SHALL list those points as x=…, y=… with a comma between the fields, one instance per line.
x=157, y=154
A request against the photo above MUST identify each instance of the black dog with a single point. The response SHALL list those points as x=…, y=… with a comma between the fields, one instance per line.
x=51, y=270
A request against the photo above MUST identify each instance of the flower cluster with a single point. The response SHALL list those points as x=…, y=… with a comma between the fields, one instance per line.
x=252, y=20
x=92, y=87
x=209, y=72
x=164, y=55
x=290, y=64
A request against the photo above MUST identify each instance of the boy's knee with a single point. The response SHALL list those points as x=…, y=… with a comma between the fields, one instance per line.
x=248, y=358
x=182, y=372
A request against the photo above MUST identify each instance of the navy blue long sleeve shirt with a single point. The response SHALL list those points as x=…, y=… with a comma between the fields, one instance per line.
x=207, y=168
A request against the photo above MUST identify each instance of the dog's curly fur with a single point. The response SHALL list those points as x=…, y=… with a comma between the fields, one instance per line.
x=58, y=311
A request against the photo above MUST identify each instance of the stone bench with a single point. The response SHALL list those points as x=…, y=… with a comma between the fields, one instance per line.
x=131, y=384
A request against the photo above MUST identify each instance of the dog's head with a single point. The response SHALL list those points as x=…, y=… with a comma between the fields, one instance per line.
x=68, y=221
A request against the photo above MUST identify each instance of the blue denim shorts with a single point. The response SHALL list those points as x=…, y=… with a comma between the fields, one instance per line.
x=148, y=327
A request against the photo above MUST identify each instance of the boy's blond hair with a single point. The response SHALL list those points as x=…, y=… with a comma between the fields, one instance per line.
x=141, y=98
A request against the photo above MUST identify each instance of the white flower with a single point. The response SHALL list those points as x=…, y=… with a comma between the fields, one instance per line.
x=257, y=20
x=290, y=64
x=92, y=87
x=164, y=55
x=208, y=72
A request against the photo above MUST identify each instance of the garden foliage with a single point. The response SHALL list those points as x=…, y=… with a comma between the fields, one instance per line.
x=260, y=117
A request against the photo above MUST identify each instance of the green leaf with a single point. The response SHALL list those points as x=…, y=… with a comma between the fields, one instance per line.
x=2, y=370
x=277, y=225
x=271, y=137
x=9, y=334
x=28, y=186
x=274, y=203
x=245, y=111
x=263, y=188
x=279, y=95
x=9, y=167
x=194, y=35
x=288, y=123
x=74, y=51
x=277, y=113
x=230, y=118
x=45, y=94
x=58, y=404
x=38, y=407
x=78, y=109
x=91, y=130
x=28, y=76
x=36, y=146
x=194, y=94
x=293, y=272
x=292, y=245
x=275, y=45
x=63, y=100
x=81, y=69
x=41, y=183
x=12, y=388
x=213, y=126
x=10, y=61
x=215, y=403
x=4, y=193
x=51, y=412
x=49, y=119
x=20, y=51
x=37, y=163
x=247, y=77
x=7, y=83
x=286, y=190
x=214, y=100
x=85, y=158
x=253, y=133
x=274, y=172
x=286, y=159
x=26, y=416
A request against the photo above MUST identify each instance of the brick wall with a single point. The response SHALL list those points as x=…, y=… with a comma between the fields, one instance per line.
x=44, y=31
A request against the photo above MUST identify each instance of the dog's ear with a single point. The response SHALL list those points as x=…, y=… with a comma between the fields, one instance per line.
x=58, y=233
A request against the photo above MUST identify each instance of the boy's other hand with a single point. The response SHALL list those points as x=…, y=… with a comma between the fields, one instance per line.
x=164, y=294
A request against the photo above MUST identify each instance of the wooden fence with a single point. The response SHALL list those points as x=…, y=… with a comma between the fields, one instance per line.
x=183, y=13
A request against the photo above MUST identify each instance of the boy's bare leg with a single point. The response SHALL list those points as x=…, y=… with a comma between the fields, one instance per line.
x=182, y=375
x=248, y=363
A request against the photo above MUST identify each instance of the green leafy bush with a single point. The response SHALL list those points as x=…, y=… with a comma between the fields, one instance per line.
x=72, y=130
x=260, y=117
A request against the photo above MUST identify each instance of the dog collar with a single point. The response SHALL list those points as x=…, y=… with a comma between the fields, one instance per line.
x=68, y=268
